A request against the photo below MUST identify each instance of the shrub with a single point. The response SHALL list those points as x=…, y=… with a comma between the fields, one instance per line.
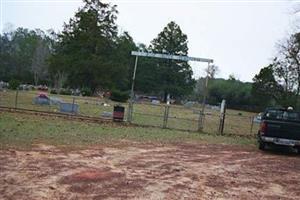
x=86, y=91
x=14, y=84
x=120, y=96
x=53, y=91
x=65, y=91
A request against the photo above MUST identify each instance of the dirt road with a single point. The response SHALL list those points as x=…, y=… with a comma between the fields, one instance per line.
x=148, y=171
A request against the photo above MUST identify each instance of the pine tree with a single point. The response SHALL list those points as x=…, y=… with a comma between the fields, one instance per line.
x=175, y=77
x=87, y=45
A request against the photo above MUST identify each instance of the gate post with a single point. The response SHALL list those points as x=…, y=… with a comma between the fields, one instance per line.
x=16, y=99
x=222, y=117
x=130, y=106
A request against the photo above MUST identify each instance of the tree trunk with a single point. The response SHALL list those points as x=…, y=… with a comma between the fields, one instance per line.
x=165, y=96
x=35, y=78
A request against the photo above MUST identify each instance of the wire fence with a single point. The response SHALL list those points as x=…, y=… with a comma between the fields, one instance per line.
x=187, y=118
x=144, y=113
x=87, y=106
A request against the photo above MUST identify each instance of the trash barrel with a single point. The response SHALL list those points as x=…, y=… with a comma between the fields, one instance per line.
x=118, y=114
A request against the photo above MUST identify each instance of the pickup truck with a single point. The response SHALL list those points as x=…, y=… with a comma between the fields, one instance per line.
x=279, y=127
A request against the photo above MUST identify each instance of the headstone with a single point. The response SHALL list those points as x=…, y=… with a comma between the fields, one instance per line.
x=106, y=114
x=155, y=102
x=69, y=107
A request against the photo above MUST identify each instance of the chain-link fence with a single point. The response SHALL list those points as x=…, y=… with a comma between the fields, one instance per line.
x=145, y=113
x=34, y=100
x=190, y=119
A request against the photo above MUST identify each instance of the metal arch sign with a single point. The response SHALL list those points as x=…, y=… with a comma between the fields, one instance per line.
x=168, y=56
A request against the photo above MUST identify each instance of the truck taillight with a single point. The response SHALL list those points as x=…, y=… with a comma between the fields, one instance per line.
x=263, y=127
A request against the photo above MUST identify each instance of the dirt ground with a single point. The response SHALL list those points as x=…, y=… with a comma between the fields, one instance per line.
x=149, y=171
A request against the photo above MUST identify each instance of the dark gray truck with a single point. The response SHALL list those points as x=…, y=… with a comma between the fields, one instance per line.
x=279, y=127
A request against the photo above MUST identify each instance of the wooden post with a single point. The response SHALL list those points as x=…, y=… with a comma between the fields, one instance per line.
x=16, y=99
x=73, y=105
x=252, y=121
x=200, y=121
x=49, y=107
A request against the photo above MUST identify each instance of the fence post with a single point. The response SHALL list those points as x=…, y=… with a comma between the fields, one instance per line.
x=166, y=116
x=222, y=123
x=222, y=117
x=130, y=110
x=16, y=99
x=73, y=105
x=201, y=121
x=49, y=107
x=2, y=102
x=252, y=121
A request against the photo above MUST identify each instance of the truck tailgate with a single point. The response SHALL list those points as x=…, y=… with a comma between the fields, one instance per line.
x=283, y=129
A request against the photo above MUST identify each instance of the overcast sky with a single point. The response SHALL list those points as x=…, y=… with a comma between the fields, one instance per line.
x=240, y=36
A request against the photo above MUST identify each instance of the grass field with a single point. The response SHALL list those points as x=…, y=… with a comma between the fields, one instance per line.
x=21, y=131
x=180, y=117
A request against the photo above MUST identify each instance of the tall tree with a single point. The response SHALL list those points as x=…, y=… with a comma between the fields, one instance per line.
x=281, y=79
x=287, y=64
x=265, y=87
x=5, y=57
x=39, y=65
x=147, y=74
x=212, y=71
x=124, y=62
x=175, y=77
x=86, y=46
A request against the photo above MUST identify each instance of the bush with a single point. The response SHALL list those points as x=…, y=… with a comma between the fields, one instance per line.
x=119, y=96
x=53, y=91
x=86, y=91
x=14, y=84
x=65, y=91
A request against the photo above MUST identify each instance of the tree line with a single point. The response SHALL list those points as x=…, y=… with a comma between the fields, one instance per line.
x=24, y=54
x=275, y=85
x=92, y=53
x=238, y=94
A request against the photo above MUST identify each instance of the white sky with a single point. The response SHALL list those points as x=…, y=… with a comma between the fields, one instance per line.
x=240, y=36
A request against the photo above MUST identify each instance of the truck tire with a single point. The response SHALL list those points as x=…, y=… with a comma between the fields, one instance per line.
x=262, y=145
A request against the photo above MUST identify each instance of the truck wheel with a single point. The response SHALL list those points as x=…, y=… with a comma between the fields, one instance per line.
x=262, y=145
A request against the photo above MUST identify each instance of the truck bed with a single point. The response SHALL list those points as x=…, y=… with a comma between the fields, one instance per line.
x=283, y=129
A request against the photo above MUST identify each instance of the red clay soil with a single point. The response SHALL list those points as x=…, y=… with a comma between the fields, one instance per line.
x=149, y=171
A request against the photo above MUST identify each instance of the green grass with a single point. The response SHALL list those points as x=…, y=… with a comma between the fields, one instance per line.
x=237, y=122
x=21, y=131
